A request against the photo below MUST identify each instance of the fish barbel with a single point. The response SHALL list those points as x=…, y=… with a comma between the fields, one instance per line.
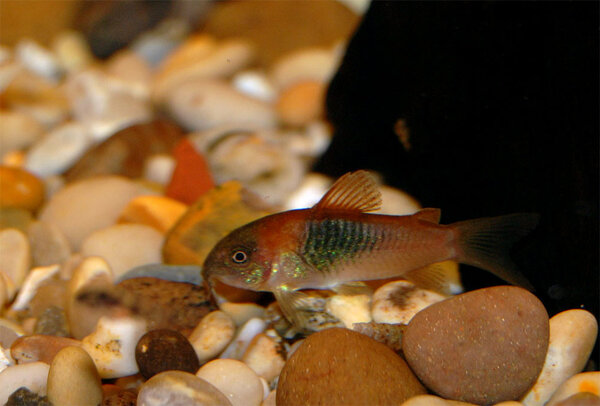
x=338, y=241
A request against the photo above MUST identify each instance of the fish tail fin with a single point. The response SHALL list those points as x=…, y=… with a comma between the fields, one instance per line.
x=486, y=242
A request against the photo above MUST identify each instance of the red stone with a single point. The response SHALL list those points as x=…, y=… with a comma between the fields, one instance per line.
x=191, y=177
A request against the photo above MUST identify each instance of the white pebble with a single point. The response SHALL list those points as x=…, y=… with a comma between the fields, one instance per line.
x=203, y=104
x=350, y=309
x=34, y=280
x=32, y=375
x=58, y=150
x=125, y=246
x=15, y=255
x=159, y=169
x=264, y=357
x=255, y=84
x=309, y=63
x=240, y=313
x=178, y=388
x=583, y=382
x=112, y=345
x=212, y=335
x=572, y=337
x=397, y=302
x=6, y=359
x=83, y=207
x=235, y=379
x=38, y=59
x=240, y=343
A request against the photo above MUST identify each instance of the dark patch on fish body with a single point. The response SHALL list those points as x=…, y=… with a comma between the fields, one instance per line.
x=335, y=240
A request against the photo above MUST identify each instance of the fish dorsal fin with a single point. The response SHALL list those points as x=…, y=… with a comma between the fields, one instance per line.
x=355, y=191
x=429, y=215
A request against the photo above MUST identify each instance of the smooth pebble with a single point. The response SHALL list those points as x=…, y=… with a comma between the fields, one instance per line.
x=178, y=388
x=33, y=376
x=159, y=212
x=37, y=347
x=350, y=309
x=48, y=244
x=265, y=357
x=214, y=332
x=237, y=347
x=20, y=188
x=341, y=367
x=83, y=207
x=165, y=350
x=35, y=278
x=310, y=63
x=15, y=255
x=73, y=379
x=582, y=382
x=18, y=131
x=432, y=400
x=573, y=334
x=235, y=379
x=484, y=346
x=124, y=246
x=203, y=104
x=240, y=313
x=58, y=150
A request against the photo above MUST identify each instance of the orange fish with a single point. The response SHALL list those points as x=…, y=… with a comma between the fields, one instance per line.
x=338, y=242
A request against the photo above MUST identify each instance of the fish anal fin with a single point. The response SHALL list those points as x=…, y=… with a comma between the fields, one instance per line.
x=293, y=304
x=352, y=289
x=441, y=277
x=429, y=215
x=354, y=191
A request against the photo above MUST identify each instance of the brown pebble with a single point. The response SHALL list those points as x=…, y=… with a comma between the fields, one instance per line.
x=483, y=347
x=342, y=367
x=39, y=348
x=165, y=350
x=127, y=397
x=175, y=306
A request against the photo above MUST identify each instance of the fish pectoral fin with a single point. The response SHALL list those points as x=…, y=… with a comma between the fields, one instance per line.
x=355, y=191
x=441, y=277
x=294, y=305
x=429, y=215
x=352, y=289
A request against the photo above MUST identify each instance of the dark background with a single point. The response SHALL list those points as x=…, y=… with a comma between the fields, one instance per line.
x=500, y=101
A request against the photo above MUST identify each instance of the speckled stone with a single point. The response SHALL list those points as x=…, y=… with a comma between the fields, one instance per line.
x=484, y=346
x=125, y=397
x=25, y=397
x=340, y=367
x=53, y=322
x=176, y=306
x=165, y=350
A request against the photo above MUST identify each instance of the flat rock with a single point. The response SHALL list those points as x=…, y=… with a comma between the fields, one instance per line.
x=165, y=350
x=210, y=337
x=484, y=346
x=15, y=255
x=176, y=306
x=340, y=366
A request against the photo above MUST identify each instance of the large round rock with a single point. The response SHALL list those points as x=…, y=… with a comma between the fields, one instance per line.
x=342, y=367
x=484, y=346
x=165, y=350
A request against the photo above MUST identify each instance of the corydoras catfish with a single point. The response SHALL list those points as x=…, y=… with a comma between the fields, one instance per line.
x=338, y=241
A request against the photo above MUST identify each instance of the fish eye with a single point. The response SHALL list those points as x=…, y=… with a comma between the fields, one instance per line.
x=239, y=257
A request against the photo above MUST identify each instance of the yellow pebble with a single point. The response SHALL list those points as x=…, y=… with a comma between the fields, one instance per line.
x=158, y=212
x=20, y=189
x=302, y=103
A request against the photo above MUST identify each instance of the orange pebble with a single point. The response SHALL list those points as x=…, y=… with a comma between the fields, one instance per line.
x=301, y=103
x=191, y=177
x=19, y=188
